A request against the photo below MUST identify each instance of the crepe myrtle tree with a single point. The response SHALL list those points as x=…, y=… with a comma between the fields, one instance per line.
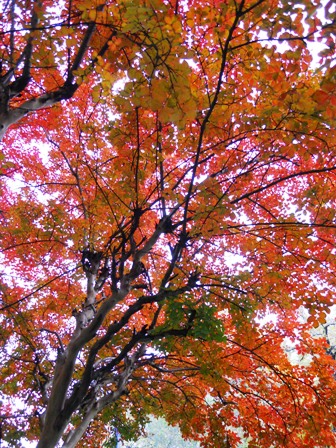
x=167, y=209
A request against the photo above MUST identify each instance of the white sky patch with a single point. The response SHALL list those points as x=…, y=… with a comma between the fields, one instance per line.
x=266, y=318
x=119, y=85
x=233, y=260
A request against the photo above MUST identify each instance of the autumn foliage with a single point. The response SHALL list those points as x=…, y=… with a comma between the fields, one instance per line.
x=167, y=220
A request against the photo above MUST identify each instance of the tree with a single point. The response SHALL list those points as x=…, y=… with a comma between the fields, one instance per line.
x=165, y=220
x=160, y=435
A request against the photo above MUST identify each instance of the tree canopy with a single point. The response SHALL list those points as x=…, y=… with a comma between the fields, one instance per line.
x=167, y=211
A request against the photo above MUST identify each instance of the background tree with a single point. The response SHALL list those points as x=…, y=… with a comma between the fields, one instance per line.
x=153, y=221
x=160, y=435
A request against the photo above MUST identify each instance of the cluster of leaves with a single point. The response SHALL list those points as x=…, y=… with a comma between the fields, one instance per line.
x=168, y=182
